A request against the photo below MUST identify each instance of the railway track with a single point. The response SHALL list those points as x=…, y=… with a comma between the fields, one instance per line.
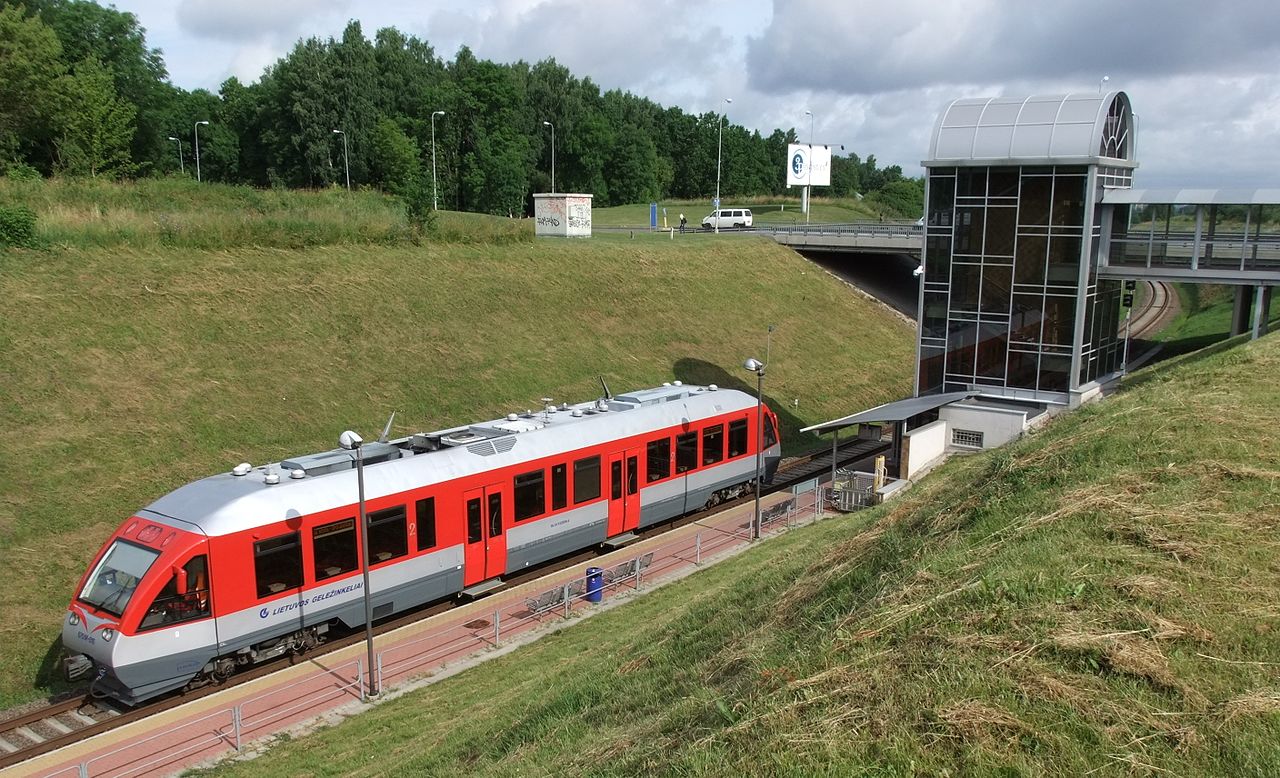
x=1149, y=319
x=62, y=723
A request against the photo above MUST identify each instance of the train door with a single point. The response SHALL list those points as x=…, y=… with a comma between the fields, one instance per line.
x=486, y=547
x=624, y=491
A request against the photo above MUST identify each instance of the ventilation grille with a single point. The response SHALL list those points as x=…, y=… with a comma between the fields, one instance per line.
x=490, y=447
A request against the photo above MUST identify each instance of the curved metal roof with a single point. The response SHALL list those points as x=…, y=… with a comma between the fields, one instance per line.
x=1040, y=129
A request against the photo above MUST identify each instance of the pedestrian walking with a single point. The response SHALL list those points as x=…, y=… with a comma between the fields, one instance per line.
x=683, y=221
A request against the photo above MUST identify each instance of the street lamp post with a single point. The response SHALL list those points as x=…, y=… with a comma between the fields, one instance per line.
x=719, y=145
x=553, y=155
x=346, y=162
x=435, y=191
x=353, y=442
x=197, y=132
x=181, y=167
x=808, y=184
x=757, y=367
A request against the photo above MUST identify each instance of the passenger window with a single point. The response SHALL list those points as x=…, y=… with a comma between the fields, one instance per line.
x=559, y=487
x=615, y=470
x=737, y=438
x=172, y=606
x=495, y=514
x=388, y=534
x=686, y=452
x=531, y=495
x=334, y=548
x=658, y=464
x=426, y=510
x=586, y=479
x=633, y=477
x=277, y=563
x=713, y=444
x=475, y=530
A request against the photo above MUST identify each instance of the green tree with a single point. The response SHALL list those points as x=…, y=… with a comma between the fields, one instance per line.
x=96, y=124
x=30, y=66
x=393, y=159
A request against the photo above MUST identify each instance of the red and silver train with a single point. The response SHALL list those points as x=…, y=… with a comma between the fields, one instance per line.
x=243, y=566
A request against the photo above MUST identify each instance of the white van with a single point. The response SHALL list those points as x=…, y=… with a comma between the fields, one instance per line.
x=726, y=218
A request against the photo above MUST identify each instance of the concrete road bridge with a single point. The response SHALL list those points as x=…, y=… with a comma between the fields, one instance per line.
x=858, y=237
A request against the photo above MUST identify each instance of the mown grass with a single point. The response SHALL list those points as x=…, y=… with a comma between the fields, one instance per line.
x=1100, y=599
x=764, y=210
x=1204, y=318
x=180, y=213
x=130, y=371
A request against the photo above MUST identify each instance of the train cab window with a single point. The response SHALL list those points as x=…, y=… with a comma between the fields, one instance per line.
x=770, y=432
x=615, y=473
x=114, y=580
x=184, y=598
x=388, y=534
x=713, y=444
x=531, y=494
x=333, y=546
x=586, y=479
x=559, y=487
x=658, y=465
x=426, y=529
x=495, y=514
x=475, y=529
x=277, y=563
x=686, y=452
x=737, y=438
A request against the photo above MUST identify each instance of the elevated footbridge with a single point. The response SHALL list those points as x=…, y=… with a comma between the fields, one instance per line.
x=1205, y=236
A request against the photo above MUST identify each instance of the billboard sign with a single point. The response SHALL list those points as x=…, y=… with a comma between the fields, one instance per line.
x=808, y=165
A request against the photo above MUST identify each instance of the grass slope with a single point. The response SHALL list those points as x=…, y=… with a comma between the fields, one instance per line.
x=180, y=213
x=1100, y=598
x=129, y=371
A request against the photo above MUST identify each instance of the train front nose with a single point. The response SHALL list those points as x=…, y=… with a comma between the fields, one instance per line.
x=87, y=643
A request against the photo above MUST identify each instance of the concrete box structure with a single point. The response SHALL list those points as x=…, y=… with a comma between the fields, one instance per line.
x=922, y=448
x=562, y=215
x=973, y=425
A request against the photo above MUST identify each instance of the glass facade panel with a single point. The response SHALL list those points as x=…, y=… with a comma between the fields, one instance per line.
x=1028, y=315
x=965, y=287
x=1064, y=260
x=934, y=321
x=1059, y=320
x=997, y=281
x=971, y=182
x=1055, y=372
x=1000, y=231
x=1068, y=201
x=942, y=197
x=1033, y=207
x=931, y=360
x=961, y=338
x=993, y=344
x=968, y=230
x=1002, y=182
x=1022, y=370
x=1029, y=266
x=937, y=259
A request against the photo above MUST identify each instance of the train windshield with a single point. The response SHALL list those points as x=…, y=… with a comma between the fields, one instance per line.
x=117, y=576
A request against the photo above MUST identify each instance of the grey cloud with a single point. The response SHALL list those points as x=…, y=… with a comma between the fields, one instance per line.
x=240, y=21
x=867, y=47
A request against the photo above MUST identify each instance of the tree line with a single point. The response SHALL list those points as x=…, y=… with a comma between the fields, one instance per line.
x=82, y=94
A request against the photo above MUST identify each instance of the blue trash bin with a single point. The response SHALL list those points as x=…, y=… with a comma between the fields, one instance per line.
x=595, y=584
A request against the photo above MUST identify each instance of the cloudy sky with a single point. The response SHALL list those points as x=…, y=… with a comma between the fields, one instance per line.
x=1204, y=78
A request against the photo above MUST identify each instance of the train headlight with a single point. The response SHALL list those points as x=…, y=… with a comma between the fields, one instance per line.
x=108, y=633
x=73, y=619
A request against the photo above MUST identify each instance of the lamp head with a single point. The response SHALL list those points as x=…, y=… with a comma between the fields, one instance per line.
x=350, y=440
x=437, y=113
x=919, y=271
x=728, y=100
x=337, y=132
x=754, y=365
x=206, y=121
x=172, y=138
x=546, y=123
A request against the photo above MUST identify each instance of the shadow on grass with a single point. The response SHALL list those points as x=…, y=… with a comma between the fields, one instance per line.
x=49, y=678
x=696, y=371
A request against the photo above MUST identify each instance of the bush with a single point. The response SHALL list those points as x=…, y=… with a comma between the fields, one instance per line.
x=17, y=226
x=22, y=172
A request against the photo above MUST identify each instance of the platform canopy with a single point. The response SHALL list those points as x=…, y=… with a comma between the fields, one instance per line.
x=900, y=410
x=1040, y=129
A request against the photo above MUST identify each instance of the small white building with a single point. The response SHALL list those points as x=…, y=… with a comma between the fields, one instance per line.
x=562, y=215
